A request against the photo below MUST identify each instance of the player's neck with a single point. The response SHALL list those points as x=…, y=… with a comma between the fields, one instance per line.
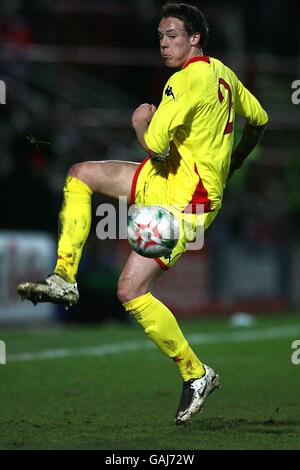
x=194, y=53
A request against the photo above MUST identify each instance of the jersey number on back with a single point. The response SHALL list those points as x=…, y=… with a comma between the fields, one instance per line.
x=229, y=124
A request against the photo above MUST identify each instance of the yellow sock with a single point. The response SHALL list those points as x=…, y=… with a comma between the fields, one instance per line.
x=75, y=222
x=161, y=326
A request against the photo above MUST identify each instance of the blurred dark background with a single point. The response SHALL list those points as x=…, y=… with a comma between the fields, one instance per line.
x=74, y=72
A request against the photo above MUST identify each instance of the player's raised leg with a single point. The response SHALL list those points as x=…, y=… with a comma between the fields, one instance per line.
x=111, y=178
x=158, y=322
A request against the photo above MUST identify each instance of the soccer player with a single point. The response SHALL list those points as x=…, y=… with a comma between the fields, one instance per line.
x=189, y=142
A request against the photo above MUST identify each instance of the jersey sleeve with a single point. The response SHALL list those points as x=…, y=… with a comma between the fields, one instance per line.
x=172, y=112
x=248, y=107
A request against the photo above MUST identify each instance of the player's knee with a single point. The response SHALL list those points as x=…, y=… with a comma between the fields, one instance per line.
x=128, y=291
x=81, y=171
x=124, y=292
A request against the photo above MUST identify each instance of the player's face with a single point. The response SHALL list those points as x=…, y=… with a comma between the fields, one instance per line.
x=176, y=46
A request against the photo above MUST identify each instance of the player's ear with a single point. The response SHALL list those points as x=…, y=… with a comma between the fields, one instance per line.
x=195, y=39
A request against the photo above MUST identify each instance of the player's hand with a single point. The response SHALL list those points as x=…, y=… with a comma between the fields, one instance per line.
x=144, y=112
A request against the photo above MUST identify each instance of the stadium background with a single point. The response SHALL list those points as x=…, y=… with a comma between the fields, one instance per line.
x=74, y=71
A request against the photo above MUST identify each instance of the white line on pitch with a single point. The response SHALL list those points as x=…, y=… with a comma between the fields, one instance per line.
x=239, y=336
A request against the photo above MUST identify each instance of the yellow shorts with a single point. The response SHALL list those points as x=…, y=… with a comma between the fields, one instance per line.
x=150, y=186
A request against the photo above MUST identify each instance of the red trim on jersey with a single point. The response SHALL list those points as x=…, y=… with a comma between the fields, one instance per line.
x=228, y=128
x=161, y=264
x=200, y=196
x=135, y=178
x=203, y=58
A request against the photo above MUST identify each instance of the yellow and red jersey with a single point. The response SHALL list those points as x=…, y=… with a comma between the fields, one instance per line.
x=193, y=129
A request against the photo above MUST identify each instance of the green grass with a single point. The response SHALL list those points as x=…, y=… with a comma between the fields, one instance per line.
x=127, y=400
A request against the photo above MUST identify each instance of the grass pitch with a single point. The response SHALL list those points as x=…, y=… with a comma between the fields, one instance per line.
x=107, y=387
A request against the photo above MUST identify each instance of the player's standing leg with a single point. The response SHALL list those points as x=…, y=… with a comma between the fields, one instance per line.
x=161, y=326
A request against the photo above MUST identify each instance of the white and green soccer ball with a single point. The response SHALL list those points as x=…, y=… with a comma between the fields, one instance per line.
x=152, y=231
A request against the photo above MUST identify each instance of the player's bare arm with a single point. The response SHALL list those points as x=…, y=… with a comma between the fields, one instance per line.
x=141, y=119
x=250, y=138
